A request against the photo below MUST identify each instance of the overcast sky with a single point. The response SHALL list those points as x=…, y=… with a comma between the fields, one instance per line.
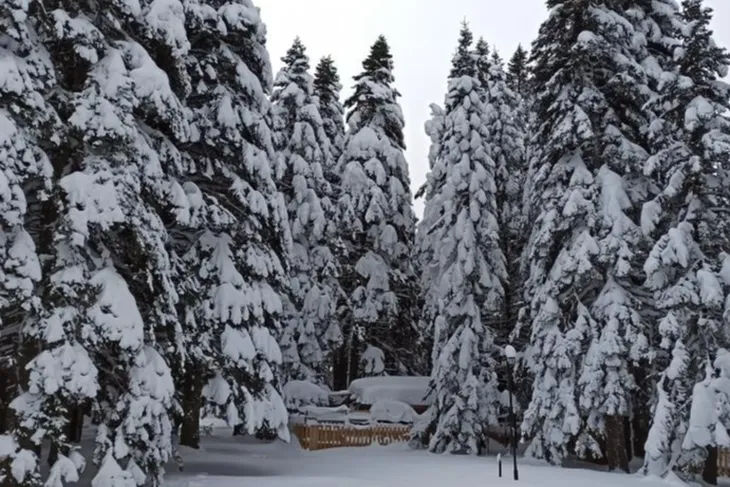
x=422, y=35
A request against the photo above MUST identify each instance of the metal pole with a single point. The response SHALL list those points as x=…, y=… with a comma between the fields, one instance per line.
x=514, y=422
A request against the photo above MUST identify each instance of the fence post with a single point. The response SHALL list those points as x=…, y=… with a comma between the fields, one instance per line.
x=314, y=438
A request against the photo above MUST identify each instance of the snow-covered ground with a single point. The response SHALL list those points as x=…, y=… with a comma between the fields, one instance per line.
x=224, y=461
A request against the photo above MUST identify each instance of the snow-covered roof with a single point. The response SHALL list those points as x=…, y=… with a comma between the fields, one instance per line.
x=410, y=390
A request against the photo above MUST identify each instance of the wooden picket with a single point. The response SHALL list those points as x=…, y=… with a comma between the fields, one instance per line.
x=723, y=462
x=322, y=436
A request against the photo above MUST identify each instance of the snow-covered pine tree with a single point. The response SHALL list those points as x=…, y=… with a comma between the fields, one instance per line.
x=426, y=265
x=327, y=89
x=505, y=143
x=240, y=258
x=376, y=218
x=106, y=274
x=468, y=266
x=658, y=26
x=483, y=61
x=518, y=71
x=688, y=266
x=586, y=330
x=29, y=131
x=311, y=332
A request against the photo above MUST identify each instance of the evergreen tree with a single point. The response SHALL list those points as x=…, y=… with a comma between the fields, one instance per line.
x=586, y=330
x=107, y=277
x=687, y=268
x=327, y=89
x=426, y=265
x=467, y=264
x=376, y=217
x=518, y=71
x=311, y=331
x=483, y=62
x=505, y=143
x=29, y=132
x=657, y=25
x=240, y=257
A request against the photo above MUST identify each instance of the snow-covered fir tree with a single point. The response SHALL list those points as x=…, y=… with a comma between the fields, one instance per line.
x=584, y=249
x=107, y=277
x=327, y=89
x=483, y=61
x=518, y=71
x=505, y=143
x=377, y=221
x=688, y=267
x=240, y=258
x=468, y=267
x=311, y=332
x=29, y=131
x=657, y=25
x=426, y=265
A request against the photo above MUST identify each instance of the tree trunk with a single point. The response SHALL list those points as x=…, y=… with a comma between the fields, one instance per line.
x=191, y=404
x=616, y=454
x=709, y=473
x=5, y=399
x=76, y=424
x=339, y=369
x=629, y=438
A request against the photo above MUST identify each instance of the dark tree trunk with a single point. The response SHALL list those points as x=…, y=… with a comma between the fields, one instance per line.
x=628, y=438
x=6, y=390
x=76, y=424
x=709, y=473
x=339, y=369
x=192, y=403
x=616, y=454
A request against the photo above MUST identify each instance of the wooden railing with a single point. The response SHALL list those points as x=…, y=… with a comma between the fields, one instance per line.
x=321, y=436
x=723, y=462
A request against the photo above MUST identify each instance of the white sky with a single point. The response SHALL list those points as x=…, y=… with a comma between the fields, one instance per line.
x=422, y=35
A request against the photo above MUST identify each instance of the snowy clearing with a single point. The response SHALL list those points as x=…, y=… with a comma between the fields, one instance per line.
x=232, y=462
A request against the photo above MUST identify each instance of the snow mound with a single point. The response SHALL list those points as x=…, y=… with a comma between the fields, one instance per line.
x=300, y=393
x=410, y=390
x=389, y=411
x=7, y=446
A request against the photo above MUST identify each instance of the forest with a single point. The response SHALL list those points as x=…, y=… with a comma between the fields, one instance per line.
x=182, y=233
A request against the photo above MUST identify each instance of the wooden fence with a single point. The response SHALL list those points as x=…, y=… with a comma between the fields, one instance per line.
x=320, y=436
x=723, y=462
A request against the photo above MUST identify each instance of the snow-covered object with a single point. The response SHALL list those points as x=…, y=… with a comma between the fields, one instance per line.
x=586, y=330
x=300, y=393
x=235, y=264
x=391, y=411
x=424, y=246
x=327, y=88
x=304, y=158
x=323, y=413
x=373, y=360
x=686, y=269
x=376, y=218
x=105, y=244
x=30, y=130
x=510, y=353
x=410, y=390
x=465, y=265
x=505, y=137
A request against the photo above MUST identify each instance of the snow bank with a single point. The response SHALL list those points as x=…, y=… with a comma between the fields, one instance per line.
x=300, y=393
x=7, y=446
x=389, y=411
x=410, y=390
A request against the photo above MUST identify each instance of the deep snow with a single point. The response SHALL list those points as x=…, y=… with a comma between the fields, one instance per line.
x=224, y=461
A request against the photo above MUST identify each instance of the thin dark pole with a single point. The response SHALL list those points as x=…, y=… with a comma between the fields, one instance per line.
x=514, y=422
